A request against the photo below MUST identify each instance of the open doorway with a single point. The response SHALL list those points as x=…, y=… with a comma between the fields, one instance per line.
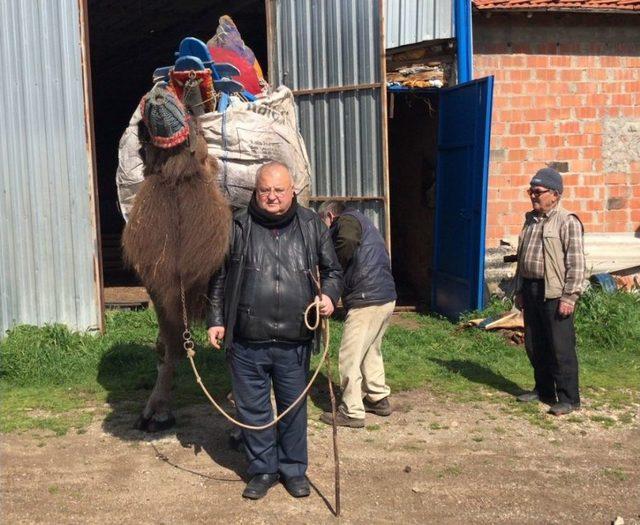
x=415, y=75
x=413, y=126
x=128, y=40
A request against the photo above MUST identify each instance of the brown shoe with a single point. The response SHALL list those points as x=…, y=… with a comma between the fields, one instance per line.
x=342, y=420
x=380, y=408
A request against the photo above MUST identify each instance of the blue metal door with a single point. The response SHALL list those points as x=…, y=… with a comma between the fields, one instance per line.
x=464, y=129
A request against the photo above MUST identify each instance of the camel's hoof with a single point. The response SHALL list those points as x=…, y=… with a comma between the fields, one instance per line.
x=148, y=424
x=142, y=423
x=158, y=426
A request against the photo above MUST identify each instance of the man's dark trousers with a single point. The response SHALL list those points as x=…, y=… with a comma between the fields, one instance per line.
x=253, y=367
x=551, y=345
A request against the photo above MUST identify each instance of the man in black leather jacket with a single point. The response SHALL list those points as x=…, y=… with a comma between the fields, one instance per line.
x=257, y=303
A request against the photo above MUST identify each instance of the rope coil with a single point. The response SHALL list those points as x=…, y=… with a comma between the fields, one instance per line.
x=189, y=346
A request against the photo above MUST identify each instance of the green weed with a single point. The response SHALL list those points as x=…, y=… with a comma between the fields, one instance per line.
x=626, y=418
x=616, y=474
x=452, y=470
x=605, y=421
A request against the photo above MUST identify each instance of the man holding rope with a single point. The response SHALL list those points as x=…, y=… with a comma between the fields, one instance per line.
x=257, y=304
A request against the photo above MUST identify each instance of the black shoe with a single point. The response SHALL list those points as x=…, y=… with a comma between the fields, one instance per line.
x=342, y=420
x=297, y=486
x=528, y=397
x=562, y=409
x=259, y=485
x=379, y=408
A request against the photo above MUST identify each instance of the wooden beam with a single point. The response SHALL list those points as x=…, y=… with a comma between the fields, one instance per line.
x=336, y=89
x=321, y=198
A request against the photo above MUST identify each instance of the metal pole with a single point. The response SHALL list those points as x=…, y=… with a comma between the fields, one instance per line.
x=464, y=40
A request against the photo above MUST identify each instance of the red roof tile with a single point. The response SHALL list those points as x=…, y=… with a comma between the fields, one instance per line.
x=556, y=5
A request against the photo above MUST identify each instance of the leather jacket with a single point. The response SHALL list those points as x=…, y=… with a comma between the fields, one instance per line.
x=262, y=290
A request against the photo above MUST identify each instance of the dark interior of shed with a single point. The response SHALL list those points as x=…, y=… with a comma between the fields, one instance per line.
x=128, y=40
x=413, y=126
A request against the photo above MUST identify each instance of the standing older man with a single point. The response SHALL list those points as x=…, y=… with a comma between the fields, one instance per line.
x=369, y=298
x=550, y=278
x=257, y=302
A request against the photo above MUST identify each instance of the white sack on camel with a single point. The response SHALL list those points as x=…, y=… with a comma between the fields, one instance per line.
x=241, y=139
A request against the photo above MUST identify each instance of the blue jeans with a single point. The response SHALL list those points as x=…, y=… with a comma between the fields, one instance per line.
x=254, y=366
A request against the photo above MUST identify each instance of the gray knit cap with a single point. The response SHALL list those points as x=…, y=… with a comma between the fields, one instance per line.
x=165, y=116
x=548, y=178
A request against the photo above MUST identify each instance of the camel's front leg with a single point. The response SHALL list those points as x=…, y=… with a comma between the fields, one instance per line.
x=157, y=414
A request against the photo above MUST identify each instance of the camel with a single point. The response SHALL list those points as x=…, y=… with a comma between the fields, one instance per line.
x=177, y=233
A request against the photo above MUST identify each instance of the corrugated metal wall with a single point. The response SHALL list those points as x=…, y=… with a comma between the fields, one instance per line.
x=412, y=21
x=47, y=233
x=328, y=53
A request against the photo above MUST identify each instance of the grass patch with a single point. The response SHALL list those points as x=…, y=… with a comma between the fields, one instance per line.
x=52, y=409
x=450, y=471
x=605, y=421
x=372, y=428
x=413, y=447
x=626, y=418
x=616, y=474
x=49, y=375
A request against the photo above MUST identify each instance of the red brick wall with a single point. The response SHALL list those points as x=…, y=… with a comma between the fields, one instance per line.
x=567, y=90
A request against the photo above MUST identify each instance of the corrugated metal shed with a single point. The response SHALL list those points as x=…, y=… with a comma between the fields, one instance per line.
x=412, y=21
x=47, y=236
x=328, y=53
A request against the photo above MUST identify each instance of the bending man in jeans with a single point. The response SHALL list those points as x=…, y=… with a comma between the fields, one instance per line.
x=369, y=297
x=550, y=278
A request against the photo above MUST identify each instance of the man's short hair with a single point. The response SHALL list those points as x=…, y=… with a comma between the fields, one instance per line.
x=335, y=207
x=273, y=164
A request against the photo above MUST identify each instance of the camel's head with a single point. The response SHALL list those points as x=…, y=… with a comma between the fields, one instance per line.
x=165, y=117
x=175, y=148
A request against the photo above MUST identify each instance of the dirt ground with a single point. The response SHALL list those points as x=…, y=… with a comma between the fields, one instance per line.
x=432, y=461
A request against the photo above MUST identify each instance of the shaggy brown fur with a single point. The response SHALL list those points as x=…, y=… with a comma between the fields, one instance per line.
x=179, y=226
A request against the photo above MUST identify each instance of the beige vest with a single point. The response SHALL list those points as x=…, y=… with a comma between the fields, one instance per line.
x=554, y=268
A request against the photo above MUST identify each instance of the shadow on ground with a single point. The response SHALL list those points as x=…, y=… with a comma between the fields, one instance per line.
x=128, y=373
x=319, y=392
x=479, y=374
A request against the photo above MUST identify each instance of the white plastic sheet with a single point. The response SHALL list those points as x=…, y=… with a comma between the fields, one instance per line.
x=243, y=138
